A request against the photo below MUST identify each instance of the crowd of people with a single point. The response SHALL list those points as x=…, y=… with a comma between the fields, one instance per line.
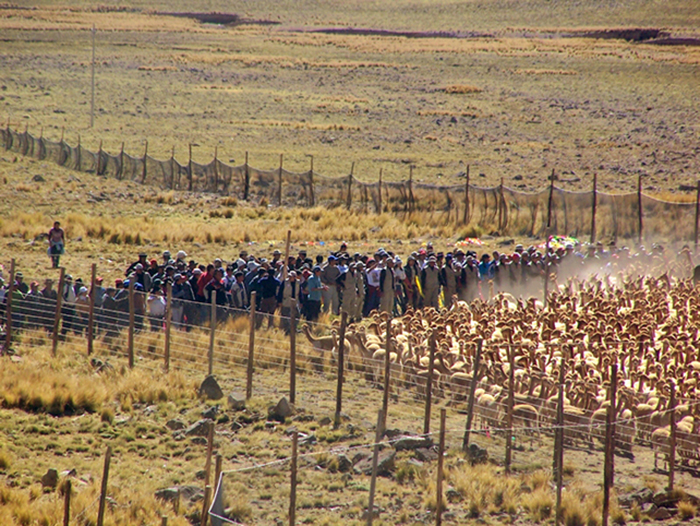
x=336, y=282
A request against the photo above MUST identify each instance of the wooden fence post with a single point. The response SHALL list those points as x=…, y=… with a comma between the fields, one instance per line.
x=120, y=171
x=594, y=206
x=172, y=169
x=375, y=455
x=550, y=200
x=312, y=198
x=441, y=460
x=132, y=321
x=168, y=323
x=341, y=369
x=509, y=415
x=559, y=442
x=59, y=306
x=210, y=450
x=379, y=193
x=145, y=163
x=216, y=168
x=609, y=467
x=279, y=182
x=672, y=423
x=217, y=470
x=387, y=371
x=466, y=198
x=103, y=491
x=98, y=169
x=411, y=199
x=66, y=502
x=293, y=355
x=349, y=199
x=212, y=331
x=639, y=206
x=251, y=348
x=246, y=181
x=189, y=170
x=293, y=482
x=77, y=153
x=91, y=312
x=429, y=385
x=164, y=521
x=8, y=308
x=472, y=393
x=205, y=506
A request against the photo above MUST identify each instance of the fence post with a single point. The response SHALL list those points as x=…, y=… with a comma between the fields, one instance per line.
x=429, y=385
x=132, y=321
x=609, y=467
x=387, y=370
x=341, y=369
x=550, y=200
x=168, y=323
x=172, y=168
x=246, y=182
x=375, y=455
x=205, y=506
x=352, y=170
x=379, y=193
x=77, y=153
x=279, y=182
x=441, y=459
x=559, y=441
x=210, y=450
x=189, y=170
x=120, y=172
x=472, y=393
x=466, y=198
x=145, y=158
x=103, y=491
x=251, y=348
x=293, y=355
x=8, y=308
x=509, y=416
x=216, y=168
x=594, y=206
x=66, y=503
x=212, y=331
x=59, y=306
x=312, y=198
x=672, y=423
x=293, y=483
x=91, y=312
x=639, y=206
x=217, y=469
x=411, y=202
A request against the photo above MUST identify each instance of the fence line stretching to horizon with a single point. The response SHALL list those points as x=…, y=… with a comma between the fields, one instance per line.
x=499, y=209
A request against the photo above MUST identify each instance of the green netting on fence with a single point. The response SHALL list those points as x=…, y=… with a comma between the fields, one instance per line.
x=499, y=209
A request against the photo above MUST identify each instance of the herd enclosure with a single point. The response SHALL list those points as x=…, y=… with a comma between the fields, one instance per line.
x=514, y=99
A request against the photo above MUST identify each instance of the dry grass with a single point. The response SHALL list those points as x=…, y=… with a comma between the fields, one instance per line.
x=687, y=510
x=462, y=89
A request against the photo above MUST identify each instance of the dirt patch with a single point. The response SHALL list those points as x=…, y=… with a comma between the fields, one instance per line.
x=224, y=19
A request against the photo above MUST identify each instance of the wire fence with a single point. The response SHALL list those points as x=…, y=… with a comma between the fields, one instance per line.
x=498, y=209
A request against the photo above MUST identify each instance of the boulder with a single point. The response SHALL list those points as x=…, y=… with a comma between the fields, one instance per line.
x=325, y=421
x=412, y=442
x=281, y=411
x=385, y=464
x=50, y=479
x=668, y=498
x=661, y=514
x=344, y=463
x=210, y=389
x=199, y=428
x=198, y=441
x=211, y=412
x=175, y=425
x=192, y=493
x=236, y=401
x=426, y=454
x=477, y=455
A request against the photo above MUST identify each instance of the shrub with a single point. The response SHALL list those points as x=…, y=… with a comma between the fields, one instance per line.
x=687, y=510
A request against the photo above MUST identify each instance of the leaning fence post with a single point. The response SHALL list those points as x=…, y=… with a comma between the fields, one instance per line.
x=66, y=503
x=251, y=348
x=293, y=483
x=441, y=459
x=387, y=371
x=189, y=170
x=279, y=182
x=78, y=161
x=132, y=321
x=349, y=199
x=472, y=394
x=103, y=490
x=594, y=206
x=375, y=456
x=293, y=355
x=429, y=385
x=466, y=198
x=639, y=206
x=559, y=442
x=99, y=159
x=341, y=369
x=59, y=306
x=216, y=168
x=145, y=159
x=246, y=182
x=212, y=331
x=8, y=307
x=210, y=451
x=509, y=415
x=91, y=312
x=205, y=505
x=379, y=193
x=312, y=198
x=672, y=423
x=609, y=467
x=120, y=171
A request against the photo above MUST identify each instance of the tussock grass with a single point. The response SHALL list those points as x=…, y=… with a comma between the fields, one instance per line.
x=462, y=89
x=687, y=510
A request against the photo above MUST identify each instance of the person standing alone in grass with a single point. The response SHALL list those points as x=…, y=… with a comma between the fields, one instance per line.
x=57, y=243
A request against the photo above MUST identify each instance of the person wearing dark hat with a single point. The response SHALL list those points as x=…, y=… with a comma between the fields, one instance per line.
x=430, y=283
x=267, y=287
x=347, y=287
x=387, y=287
x=239, y=293
x=412, y=272
x=183, y=299
x=68, y=305
x=450, y=276
x=329, y=275
x=141, y=261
